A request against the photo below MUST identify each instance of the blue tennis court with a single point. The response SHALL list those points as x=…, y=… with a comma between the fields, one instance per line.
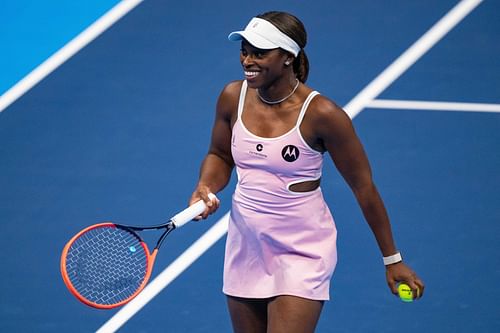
x=114, y=126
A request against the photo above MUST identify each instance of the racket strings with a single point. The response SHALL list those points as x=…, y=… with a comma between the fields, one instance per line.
x=107, y=265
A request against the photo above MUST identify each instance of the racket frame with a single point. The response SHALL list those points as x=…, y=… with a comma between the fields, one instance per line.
x=150, y=259
x=176, y=221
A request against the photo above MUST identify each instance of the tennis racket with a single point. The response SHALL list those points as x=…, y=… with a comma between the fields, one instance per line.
x=106, y=265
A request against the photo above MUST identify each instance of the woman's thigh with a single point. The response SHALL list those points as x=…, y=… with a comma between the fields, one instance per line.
x=291, y=314
x=248, y=315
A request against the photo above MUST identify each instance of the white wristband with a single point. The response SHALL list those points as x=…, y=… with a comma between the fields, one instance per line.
x=395, y=258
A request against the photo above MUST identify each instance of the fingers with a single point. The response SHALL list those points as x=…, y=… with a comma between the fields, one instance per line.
x=211, y=201
x=393, y=285
x=416, y=284
x=400, y=273
x=417, y=287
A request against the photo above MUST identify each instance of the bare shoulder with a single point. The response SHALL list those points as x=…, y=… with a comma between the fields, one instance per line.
x=231, y=92
x=227, y=103
x=326, y=116
x=233, y=88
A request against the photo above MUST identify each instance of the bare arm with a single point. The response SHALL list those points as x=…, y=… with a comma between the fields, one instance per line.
x=217, y=166
x=336, y=134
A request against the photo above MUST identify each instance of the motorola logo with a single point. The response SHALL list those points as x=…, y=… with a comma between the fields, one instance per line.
x=290, y=153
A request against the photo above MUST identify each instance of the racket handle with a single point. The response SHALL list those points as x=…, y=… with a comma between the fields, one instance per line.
x=191, y=212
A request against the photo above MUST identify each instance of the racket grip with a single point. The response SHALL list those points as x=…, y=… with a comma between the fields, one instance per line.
x=191, y=212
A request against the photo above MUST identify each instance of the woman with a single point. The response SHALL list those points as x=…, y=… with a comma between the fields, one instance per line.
x=281, y=243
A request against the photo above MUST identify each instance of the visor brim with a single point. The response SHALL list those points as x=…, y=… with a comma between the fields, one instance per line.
x=253, y=38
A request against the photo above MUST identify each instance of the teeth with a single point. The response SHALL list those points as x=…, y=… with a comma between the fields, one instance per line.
x=251, y=73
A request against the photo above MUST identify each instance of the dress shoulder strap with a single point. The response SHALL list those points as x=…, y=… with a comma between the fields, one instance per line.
x=243, y=94
x=305, y=105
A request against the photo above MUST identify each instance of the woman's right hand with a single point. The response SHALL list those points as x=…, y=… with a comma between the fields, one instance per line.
x=202, y=193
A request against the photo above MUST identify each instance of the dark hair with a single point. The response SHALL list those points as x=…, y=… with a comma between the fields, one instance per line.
x=293, y=28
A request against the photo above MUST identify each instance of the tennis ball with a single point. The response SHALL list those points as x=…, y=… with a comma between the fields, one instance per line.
x=405, y=292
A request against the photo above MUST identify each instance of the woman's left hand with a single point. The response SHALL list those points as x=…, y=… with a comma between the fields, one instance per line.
x=399, y=273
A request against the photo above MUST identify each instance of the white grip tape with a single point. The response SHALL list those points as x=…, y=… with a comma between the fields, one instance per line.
x=191, y=212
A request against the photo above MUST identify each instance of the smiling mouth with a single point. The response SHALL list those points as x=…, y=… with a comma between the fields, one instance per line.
x=250, y=74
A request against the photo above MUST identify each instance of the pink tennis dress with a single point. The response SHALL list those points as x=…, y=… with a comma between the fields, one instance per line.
x=279, y=242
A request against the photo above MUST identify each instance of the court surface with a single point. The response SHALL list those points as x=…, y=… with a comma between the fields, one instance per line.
x=118, y=130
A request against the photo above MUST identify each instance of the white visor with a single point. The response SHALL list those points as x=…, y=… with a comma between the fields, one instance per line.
x=264, y=35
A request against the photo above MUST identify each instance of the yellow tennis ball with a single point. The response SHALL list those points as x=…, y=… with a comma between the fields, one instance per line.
x=405, y=292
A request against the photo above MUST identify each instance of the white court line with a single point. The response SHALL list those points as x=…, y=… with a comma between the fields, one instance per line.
x=354, y=107
x=66, y=52
x=432, y=106
x=410, y=56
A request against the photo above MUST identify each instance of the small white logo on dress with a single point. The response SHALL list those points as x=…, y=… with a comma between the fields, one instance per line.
x=259, y=147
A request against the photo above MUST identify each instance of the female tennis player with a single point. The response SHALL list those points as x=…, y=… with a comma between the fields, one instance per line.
x=281, y=243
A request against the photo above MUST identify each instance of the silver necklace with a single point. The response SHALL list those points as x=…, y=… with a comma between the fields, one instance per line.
x=279, y=100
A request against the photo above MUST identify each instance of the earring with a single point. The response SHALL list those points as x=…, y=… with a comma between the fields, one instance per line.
x=287, y=63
